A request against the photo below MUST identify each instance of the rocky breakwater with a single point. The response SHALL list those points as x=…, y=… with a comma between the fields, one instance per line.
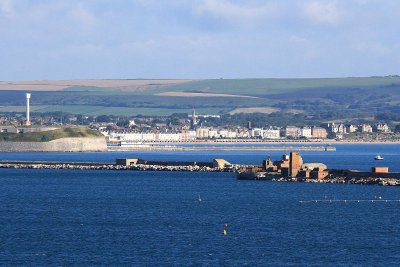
x=362, y=181
x=109, y=166
x=342, y=180
x=194, y=168
x=61, y=166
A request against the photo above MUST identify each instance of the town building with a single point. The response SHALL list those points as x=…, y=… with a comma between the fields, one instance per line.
x=366, y=128
x=382, y=128
x=202, y=133
x=271, y=133
x=336, y=128
x=306, y=132
x=292, y=131
x=351, y=128
x=318, y=132
x=257, y=133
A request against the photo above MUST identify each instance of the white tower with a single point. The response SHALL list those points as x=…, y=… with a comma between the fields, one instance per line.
x=28, y=120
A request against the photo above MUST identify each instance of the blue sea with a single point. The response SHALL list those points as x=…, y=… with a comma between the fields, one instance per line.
x=128, y=218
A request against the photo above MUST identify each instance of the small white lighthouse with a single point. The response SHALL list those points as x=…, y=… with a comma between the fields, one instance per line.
x=28, y=120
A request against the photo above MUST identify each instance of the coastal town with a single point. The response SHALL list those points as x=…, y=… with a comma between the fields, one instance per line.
x=195, y=128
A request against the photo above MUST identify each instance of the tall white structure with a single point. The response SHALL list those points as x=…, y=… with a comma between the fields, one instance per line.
x=28, y=120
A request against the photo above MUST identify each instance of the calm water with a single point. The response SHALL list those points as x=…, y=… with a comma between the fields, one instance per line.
x=60, y=218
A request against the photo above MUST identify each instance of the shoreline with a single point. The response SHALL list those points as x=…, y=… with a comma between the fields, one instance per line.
x=220, y=148
x=325, y=142
x=241, y=146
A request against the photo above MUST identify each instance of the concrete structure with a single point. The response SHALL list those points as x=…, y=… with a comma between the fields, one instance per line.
x=220, y=163
x=380, y=169
x=137, y=161
x=311, y=166
x=126, y=162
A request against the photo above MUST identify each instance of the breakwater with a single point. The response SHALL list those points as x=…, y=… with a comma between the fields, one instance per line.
x=55, y=165
x=334, y=177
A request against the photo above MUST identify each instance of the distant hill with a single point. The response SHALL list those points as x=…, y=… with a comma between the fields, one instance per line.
x=87, y=85
x=341, y=98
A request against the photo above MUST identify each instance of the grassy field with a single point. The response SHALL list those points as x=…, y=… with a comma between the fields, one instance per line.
x=278, y=86
x=20, y=108
x=49, y=135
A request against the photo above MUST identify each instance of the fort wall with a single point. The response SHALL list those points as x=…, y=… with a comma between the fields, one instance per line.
x=69, y=144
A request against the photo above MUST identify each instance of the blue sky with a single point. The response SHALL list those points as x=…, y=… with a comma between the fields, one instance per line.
x=71, y=39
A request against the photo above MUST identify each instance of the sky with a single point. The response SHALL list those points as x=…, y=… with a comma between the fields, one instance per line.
x=198, y=39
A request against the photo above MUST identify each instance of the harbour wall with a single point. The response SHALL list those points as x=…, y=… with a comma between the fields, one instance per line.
x=176, y=163
x=107, y=166
x=69, y=144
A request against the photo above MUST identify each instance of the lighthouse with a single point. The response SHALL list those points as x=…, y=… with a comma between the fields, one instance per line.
x=28, y=120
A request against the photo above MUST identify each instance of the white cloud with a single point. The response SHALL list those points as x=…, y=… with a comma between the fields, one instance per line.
x=243, y=14
x=322, y=12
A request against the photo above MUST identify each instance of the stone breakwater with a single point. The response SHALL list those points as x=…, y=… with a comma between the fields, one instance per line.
x=109, y=166
x=194, y=168
x=69, y=144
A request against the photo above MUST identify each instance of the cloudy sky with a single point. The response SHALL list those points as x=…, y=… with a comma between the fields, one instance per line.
x=72, y=39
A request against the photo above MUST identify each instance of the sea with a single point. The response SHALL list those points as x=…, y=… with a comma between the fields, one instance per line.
x=131, y=218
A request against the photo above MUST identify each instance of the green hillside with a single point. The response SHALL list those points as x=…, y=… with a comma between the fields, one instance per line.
x=333, y=98
x=278, y=86
x=49, y=135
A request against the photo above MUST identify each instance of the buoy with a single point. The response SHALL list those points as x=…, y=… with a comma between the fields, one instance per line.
x=224, y=232
x=226, y=225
